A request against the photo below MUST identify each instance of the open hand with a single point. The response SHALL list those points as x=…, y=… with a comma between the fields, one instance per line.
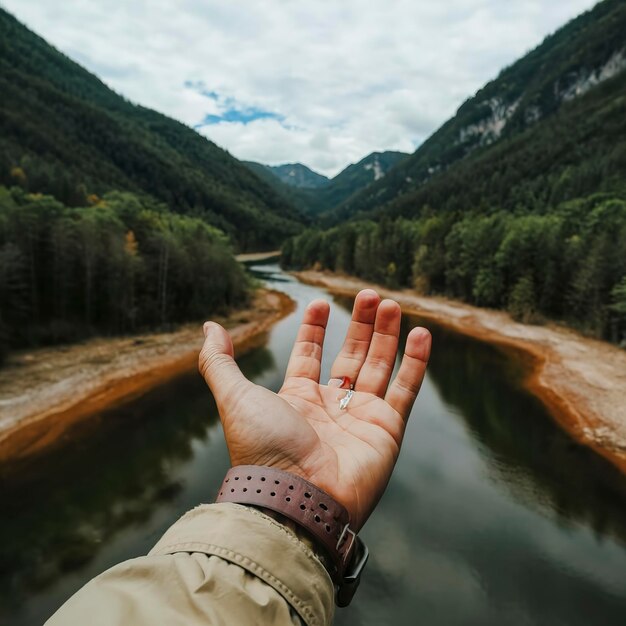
x=348, y=453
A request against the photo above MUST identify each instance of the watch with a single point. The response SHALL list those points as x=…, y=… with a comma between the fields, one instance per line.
x=312, y=509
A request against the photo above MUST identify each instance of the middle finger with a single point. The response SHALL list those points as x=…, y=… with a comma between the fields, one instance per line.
x=350, y=359
x=381, y=356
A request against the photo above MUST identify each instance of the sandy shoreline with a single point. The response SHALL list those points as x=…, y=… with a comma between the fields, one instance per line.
x=44, y=392
x=251, y=257
x=582, y=381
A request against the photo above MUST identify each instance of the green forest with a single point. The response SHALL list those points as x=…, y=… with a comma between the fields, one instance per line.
x=569, y=265
x=120, y=264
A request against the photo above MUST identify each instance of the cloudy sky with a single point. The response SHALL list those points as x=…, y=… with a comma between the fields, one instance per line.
x=322, y=82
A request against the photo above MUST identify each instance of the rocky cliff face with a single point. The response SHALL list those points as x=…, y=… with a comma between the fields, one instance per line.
x=490, y=128
x=571, y=85
x=580, y=82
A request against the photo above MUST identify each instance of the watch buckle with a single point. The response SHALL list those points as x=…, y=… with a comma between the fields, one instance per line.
x=346, y=529
x=350, y=580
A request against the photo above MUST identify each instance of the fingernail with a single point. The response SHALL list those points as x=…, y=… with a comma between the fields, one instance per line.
x=369, y=297
x=206, y=328
x=424, y=339
x=334, y=382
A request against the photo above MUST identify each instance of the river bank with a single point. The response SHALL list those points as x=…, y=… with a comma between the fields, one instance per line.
x=582, y=381
x=44, y=392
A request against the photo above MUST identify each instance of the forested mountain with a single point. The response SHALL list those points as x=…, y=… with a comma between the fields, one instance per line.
x=324, y=196
x=585, y=52
x=532, y=220
x=372, y=169
x=63, y=132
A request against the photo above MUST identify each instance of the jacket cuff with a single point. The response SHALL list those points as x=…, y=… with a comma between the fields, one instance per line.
x=263, y=547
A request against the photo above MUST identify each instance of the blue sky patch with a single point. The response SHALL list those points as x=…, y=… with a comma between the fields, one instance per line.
x=230, y=109
x=241, y=116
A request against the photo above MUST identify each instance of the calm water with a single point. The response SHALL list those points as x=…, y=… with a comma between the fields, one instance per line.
x=493, y=515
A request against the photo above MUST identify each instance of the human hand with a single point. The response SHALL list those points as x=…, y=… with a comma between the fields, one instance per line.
x=348, y=453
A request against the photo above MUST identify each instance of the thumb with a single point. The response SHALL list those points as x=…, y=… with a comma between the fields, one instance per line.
x=217, y=365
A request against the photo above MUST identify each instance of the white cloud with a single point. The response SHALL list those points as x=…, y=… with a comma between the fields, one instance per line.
x=346, y=78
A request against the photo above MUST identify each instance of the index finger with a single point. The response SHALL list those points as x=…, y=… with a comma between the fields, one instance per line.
x=306, y=357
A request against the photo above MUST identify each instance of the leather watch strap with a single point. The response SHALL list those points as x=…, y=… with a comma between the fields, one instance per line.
x=308, y=506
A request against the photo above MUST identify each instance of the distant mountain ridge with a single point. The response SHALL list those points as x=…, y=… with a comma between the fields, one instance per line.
x=298, y=175
x=64, y=132
x=584, y=53
x=315, y=193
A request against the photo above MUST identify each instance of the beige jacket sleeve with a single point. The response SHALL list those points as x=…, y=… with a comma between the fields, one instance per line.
x=220, y=564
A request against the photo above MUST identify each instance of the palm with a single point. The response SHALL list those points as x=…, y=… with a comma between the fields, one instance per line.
x=348, y=453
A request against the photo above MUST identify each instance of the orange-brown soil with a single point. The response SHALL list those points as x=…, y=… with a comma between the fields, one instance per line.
x=46, y=391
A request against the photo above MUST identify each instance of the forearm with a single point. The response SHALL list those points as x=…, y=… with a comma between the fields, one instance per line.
x=219, y=564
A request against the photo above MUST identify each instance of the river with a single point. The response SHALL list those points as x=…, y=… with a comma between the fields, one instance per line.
x=493, y=515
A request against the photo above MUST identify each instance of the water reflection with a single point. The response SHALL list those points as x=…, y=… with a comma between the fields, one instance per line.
x=522, y=446
x=493, y=514
x=62, y=508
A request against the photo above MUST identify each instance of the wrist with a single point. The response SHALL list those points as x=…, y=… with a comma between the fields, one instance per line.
x=312, y=510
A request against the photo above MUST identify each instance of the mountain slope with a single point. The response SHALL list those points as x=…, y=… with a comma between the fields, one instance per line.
x=585, y=52
x=65, y=133
x=579, y=150
x=354, y=178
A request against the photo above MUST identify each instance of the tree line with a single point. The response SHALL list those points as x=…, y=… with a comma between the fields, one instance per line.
x=122, y=263
x=568, y=264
